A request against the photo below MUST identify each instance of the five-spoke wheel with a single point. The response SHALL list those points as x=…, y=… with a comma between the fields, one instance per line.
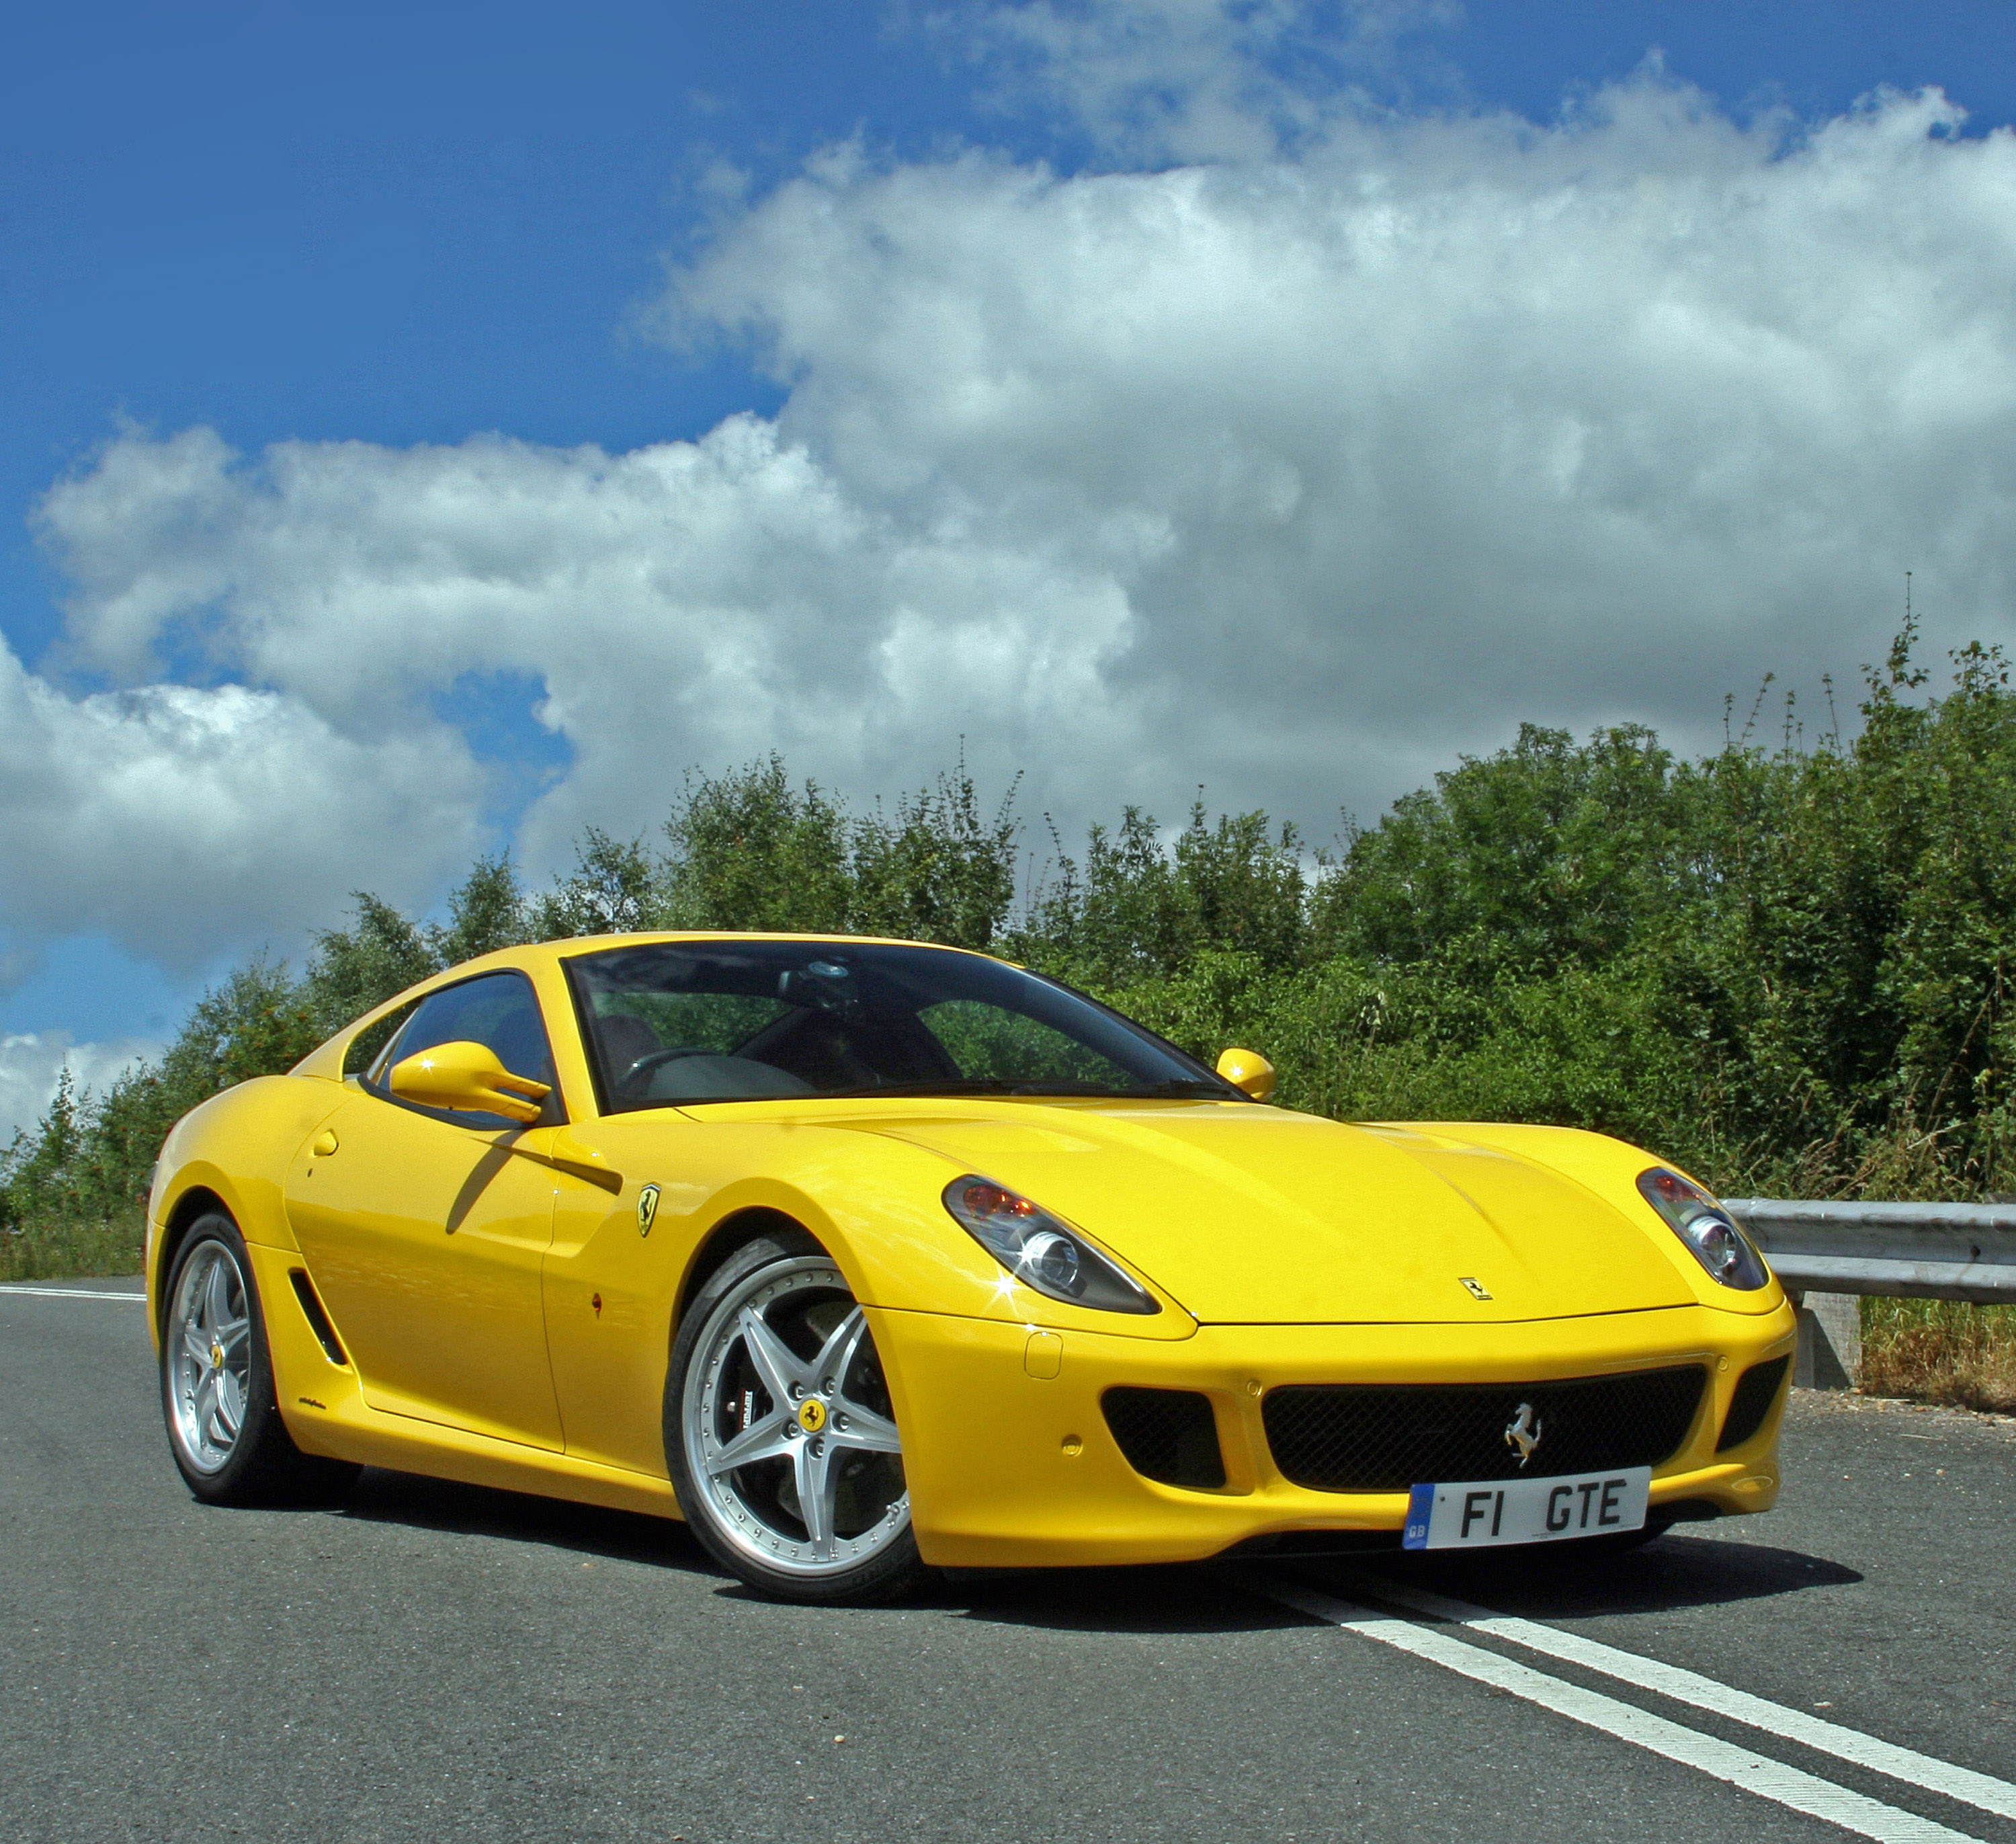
x=225, y=1426
x=208, y=1356
x=780, y=1433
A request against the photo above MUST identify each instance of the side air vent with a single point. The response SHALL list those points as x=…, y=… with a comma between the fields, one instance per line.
x=1756, y=1390
x=1169, y=1435
x=317, y=1319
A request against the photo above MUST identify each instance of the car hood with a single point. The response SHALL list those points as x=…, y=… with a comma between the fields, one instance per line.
x=1257, y=1215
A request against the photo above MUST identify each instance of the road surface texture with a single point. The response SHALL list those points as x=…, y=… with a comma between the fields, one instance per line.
x=434, y=1661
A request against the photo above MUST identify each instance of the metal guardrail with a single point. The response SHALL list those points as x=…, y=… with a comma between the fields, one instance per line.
x=1926, y=1251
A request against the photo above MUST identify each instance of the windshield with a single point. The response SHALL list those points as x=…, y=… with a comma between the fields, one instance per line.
x=668, y=1022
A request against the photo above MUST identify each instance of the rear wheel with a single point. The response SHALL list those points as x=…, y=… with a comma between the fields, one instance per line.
x=779, y=1433
x=217, y=1382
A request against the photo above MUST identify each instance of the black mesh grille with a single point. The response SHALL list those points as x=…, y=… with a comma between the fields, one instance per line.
x=1756, y=1389
x=1386, y=1437
x=1168, y=1435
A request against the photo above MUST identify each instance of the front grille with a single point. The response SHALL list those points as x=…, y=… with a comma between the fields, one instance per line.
x=1387, y=1437
x=1168, y=1435
x=1755, y=1391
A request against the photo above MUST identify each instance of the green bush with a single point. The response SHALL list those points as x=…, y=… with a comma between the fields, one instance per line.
x=1785, y=968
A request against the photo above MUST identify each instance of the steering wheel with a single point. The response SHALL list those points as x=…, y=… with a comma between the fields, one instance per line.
x=651, y=1060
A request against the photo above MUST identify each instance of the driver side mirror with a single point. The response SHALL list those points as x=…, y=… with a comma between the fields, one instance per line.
x=467, y=1077
x=1248, y=1070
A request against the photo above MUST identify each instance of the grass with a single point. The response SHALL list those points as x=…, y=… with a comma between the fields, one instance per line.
x=1940, y=1351
x=61, y=1248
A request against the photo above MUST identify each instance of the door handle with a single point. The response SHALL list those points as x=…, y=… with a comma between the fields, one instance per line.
x=583, y=1160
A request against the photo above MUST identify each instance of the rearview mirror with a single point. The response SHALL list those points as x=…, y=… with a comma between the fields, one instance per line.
x=1248, y=1070
x=468, y=1078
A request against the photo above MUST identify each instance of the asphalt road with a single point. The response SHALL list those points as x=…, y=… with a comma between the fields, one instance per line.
x=437, y=1661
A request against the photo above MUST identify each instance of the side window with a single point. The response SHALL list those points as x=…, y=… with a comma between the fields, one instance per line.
x=498, y=1010
x=364, y=1056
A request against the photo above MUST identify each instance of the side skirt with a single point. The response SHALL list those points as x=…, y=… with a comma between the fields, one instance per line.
x=323, y=1405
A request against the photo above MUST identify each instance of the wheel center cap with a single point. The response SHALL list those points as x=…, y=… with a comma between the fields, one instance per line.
x=217, y=1357
x=812, y=1414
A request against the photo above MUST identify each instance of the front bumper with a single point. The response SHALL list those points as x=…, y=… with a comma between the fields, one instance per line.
x=1010, y=1468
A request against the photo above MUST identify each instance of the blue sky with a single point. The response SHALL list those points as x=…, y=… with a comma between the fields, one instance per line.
x=398, y=229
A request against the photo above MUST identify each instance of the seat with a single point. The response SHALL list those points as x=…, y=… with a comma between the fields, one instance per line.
x=620, y=1039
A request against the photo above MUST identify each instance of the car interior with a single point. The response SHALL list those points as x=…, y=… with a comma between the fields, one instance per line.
x=803, y=1050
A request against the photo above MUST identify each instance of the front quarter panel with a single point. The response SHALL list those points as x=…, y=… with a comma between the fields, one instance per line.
x=874, y=1201
x=615, y=1283
x=237, y=1145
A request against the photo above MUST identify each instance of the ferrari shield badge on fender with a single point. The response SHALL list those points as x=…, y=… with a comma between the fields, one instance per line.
x=647, y=1208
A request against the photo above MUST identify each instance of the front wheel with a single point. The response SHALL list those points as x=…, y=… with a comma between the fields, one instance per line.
x=779, y=1433
x=217, y=1382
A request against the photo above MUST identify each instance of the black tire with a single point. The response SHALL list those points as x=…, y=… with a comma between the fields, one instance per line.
x=889, y=1564
x=258, y=1464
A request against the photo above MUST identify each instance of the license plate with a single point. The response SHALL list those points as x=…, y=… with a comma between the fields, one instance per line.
x=1479, y=1512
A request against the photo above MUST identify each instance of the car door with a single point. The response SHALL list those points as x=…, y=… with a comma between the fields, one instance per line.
x=425, y=1230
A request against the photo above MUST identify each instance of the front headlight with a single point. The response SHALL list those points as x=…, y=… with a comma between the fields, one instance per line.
x=1039, y=1251
x=1712, y=1236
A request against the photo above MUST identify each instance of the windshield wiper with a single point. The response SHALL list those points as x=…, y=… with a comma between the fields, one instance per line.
x=1062, y=1086
x=937, y=1085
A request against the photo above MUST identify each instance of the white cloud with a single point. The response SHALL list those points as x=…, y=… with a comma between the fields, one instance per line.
x=30, y=1063
x=181, y=818
x=686, y=602
x=1155, y=79
x=1292, y=474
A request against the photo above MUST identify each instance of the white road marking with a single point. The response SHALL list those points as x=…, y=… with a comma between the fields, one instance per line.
x=1683, y=1686
x=68, y=1293
x=1757, y=1773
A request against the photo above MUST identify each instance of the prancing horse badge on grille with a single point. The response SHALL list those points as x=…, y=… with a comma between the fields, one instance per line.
x=1523, y=1431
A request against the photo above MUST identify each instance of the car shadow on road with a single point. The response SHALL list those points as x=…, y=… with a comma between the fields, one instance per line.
x=1676, y=1571
x=1166, y=1600
x=384, y=1497
x=1162, y=1600
x=1559, y=1582
x=1548, y=1583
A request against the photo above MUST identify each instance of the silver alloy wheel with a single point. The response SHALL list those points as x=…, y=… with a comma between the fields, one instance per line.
x=787, y=1425
x=210, y=1357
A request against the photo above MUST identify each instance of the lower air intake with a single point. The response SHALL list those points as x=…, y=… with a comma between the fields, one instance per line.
x=1167, y=1435
x=1755, y=1391
x=1386, y=1437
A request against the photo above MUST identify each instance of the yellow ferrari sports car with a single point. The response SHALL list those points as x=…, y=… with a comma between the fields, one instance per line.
x=868, y=1257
